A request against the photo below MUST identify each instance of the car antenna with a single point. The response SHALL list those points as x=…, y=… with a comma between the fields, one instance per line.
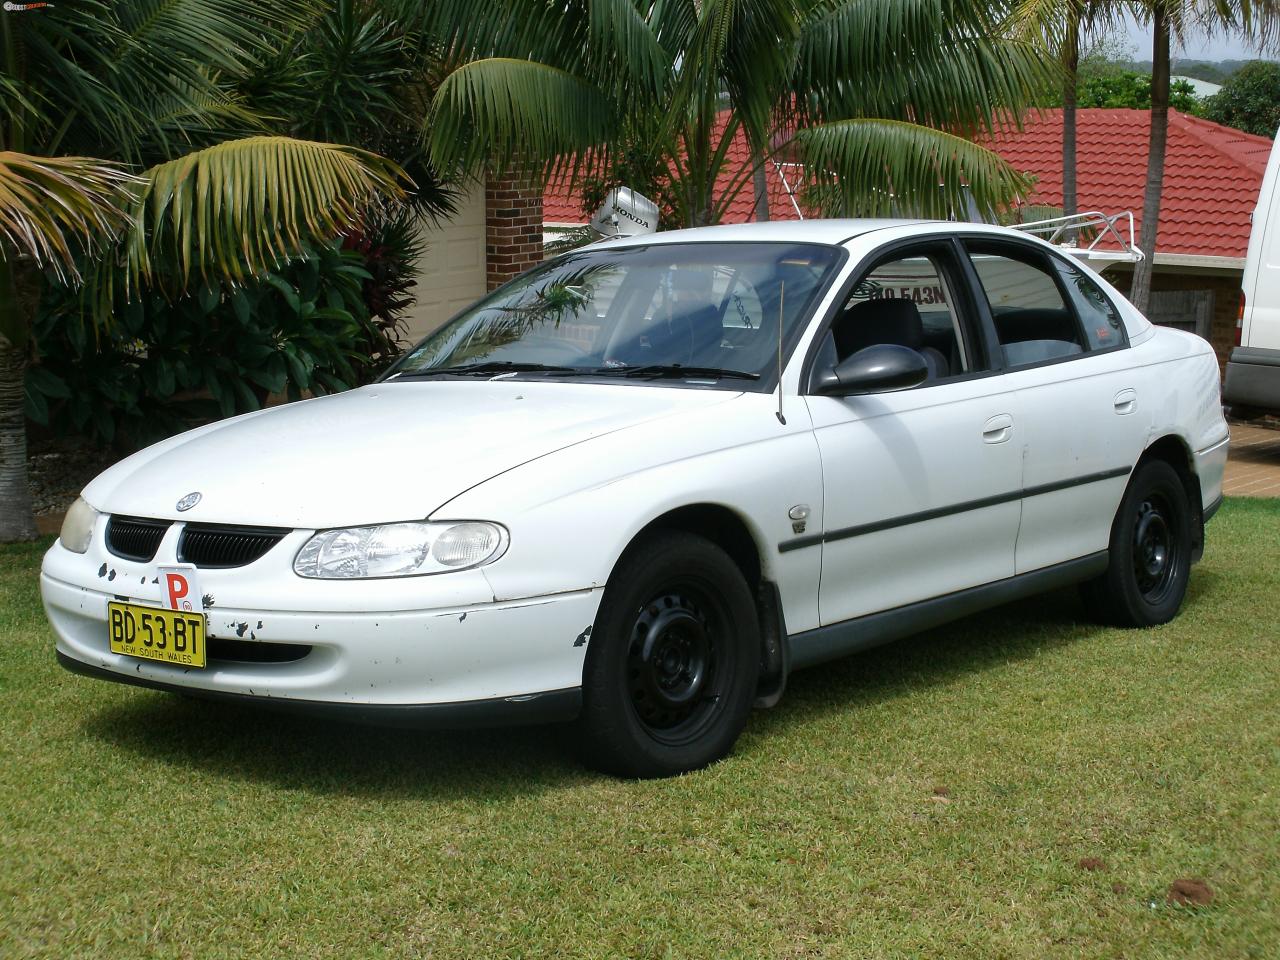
x=782, y=292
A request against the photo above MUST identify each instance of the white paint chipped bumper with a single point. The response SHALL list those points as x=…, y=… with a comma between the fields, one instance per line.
x=445, y=653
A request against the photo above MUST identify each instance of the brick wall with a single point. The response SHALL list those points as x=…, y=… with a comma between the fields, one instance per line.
x=1226, y=301
x=513, y=227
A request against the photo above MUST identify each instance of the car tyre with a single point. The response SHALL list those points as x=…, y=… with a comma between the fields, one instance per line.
x=673, y=660
x=1150, y=552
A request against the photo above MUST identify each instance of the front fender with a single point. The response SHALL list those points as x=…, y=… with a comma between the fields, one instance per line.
x=572, y=514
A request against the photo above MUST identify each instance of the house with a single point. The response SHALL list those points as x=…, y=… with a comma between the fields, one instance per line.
x=499, y=227
x=496, y=234
x=1212, y=177
x=562, y=208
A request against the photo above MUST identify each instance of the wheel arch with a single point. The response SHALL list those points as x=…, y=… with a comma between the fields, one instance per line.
x=730, y=531
x=1175, y=451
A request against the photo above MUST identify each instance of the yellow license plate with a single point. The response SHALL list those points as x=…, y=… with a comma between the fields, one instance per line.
x=170, y=636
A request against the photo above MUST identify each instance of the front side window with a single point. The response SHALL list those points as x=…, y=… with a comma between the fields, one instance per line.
x=1033, y=321
x=906, y=301
x=610, y=312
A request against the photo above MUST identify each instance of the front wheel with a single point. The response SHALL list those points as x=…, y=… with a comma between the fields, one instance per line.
x=673, y=662
x=1150, y=552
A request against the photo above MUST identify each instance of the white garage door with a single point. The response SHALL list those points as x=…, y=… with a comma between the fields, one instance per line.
x=451, y=273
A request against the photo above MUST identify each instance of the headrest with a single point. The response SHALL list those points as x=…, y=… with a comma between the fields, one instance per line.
x=887, y=320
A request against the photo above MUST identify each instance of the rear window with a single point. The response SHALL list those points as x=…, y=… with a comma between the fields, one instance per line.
x=1103, y=325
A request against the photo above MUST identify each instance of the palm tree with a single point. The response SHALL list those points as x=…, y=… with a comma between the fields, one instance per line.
x=127, y=157
x=1062, y=26
x=1062, y=22
x=1255, y=20
x=878, y=98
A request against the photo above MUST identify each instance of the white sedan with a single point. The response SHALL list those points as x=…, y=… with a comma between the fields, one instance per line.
x=641, y=483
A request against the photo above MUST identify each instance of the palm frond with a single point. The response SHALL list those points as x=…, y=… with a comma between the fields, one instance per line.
x=625, y=52
x=673, y=23
x=245, y=206
x=506, y=111
x=54, y=208
x=1047, y=19
x=945, y=63
x=882, y=167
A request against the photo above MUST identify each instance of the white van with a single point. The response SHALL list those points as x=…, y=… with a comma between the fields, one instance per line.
x=1253, y=371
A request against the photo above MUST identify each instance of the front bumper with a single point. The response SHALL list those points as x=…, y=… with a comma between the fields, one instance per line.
x=425, y=651
x=550, y=707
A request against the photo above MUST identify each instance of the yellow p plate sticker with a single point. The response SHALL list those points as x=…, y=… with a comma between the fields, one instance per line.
x=170, y=636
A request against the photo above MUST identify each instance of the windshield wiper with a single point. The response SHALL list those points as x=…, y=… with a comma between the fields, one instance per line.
x=675, y=371
x=489, y=366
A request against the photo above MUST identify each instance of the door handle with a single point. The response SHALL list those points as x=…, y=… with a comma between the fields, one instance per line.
x=1126, y=401
x=998, y=429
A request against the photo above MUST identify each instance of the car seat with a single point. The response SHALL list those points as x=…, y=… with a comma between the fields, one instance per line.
x=887, y=320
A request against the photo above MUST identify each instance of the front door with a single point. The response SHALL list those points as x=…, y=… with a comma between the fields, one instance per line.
x=922, y=487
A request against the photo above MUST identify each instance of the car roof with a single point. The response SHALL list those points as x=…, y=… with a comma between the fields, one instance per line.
x=831, y=232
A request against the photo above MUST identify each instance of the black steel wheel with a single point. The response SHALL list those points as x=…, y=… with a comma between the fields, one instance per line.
x=1155, y=549
x=1150, y=552
x=673, y=659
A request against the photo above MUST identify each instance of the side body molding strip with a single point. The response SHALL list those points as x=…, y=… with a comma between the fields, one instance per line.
x=813, y=539
x=849, y=636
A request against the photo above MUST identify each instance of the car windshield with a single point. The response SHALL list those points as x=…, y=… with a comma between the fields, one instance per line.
x=672, y=311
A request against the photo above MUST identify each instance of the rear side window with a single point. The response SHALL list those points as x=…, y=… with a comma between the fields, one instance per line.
x=1033, y=321
x=1103, y=327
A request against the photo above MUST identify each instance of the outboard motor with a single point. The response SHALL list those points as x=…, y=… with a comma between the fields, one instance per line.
x=625, y=213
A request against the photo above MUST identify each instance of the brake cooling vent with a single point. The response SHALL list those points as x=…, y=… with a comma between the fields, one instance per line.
x=135, y=538
x=219, y=545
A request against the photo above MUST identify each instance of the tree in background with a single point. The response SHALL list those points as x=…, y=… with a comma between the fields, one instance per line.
x=1129, y=90
x=129, y=159
x=351, y=72
x=669, y=83
x=1255, y=20
x=1249, y=100
x=1169, y=20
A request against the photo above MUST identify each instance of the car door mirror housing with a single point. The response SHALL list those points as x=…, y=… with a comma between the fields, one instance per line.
x=880, y=368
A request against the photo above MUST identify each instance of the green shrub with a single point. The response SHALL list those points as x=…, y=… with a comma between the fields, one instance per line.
x=162, y=366
x=1249, y=100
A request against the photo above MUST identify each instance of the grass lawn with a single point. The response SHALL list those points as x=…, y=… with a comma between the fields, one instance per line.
x=929, y=799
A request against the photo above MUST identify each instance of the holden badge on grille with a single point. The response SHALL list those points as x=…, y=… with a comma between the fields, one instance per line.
x=189, y=501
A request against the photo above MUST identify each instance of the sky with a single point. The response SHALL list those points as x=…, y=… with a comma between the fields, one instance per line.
x=1198, y=47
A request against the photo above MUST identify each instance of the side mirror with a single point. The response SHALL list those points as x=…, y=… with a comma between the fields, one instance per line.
x=875, y=369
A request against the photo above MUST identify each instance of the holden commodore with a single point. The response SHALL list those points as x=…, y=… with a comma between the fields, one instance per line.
x=641, y=483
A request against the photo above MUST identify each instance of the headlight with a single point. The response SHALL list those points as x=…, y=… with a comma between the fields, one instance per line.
x=77, y=528
x=399, y=550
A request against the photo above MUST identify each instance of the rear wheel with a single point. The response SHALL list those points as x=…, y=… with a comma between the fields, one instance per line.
x=1150, y=552
x=673, y=661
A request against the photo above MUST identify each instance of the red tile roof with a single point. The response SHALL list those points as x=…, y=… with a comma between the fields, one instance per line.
x=1212, y=176
x=559, y=205
x=1211, y=179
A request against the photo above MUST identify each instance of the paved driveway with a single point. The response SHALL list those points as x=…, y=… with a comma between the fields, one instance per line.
x=1253, y=468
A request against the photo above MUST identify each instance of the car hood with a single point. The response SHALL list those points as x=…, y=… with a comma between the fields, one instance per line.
x=387, y=452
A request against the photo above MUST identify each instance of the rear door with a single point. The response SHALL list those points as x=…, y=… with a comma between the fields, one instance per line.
x=922, y=487
x=1085, y=413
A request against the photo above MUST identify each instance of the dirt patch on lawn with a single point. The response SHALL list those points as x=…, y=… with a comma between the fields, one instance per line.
x=1190, y=893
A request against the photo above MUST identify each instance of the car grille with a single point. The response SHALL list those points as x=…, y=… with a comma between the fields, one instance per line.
x=135, y=538
x=218, y=545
